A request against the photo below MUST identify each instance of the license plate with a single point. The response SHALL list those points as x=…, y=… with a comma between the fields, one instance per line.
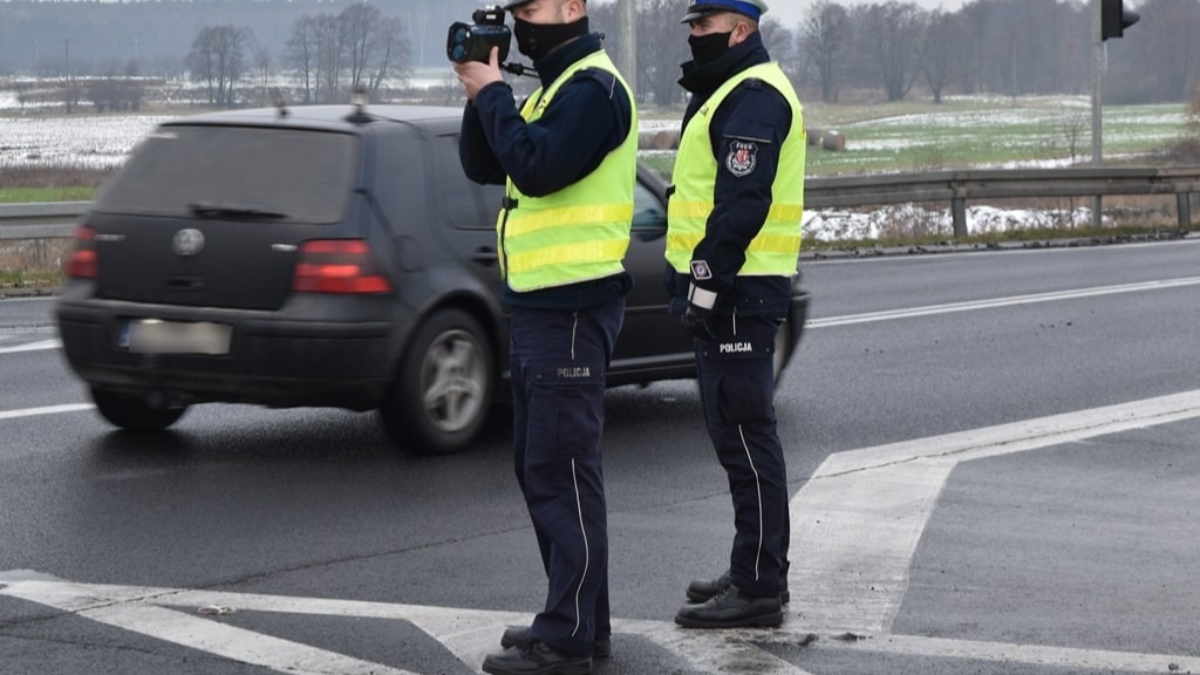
x=154, y=336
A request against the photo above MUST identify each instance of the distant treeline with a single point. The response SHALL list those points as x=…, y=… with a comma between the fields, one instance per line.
x=158, y=34
x=894, y=49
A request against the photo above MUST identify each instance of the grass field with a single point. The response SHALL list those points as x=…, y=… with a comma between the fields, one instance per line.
x=978, y=132
x=905, y=136
x=18, y=195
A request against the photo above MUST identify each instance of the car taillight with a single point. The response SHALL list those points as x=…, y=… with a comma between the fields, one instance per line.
x=338, y=266
x=82, y=263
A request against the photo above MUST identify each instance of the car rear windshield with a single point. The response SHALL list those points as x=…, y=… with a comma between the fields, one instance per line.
x=296, y=175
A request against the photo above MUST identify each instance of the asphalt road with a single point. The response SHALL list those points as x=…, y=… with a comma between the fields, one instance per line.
x=992, y=459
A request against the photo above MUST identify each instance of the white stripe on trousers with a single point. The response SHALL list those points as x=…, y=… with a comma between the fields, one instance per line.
x=758, y=489
x=587, y=554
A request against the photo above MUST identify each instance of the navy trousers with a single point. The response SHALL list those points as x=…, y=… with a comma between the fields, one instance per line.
x=737, y=389
x=559, y=361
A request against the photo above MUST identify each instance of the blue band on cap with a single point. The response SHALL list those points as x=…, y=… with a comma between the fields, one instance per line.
x=736, y=6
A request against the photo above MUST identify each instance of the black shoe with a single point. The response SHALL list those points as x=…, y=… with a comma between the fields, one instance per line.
x=700, y=590
x=515, y=635
x=534, y=657
x=732, y=609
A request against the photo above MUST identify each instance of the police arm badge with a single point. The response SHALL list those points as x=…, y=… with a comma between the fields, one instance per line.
x=742, y=159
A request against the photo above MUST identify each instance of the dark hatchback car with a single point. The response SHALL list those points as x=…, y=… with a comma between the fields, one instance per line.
x=322, y=256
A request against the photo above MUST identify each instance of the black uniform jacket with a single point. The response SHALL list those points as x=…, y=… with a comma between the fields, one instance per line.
x=589, y=117
x=755, y=112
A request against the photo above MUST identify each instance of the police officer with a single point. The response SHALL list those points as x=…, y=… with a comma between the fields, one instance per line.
x=732, y=245
x=563, y=233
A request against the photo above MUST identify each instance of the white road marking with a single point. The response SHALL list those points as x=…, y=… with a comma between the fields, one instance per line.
x=1065, y=658
x=45, y=410
x=236, y=644
x=887, y=315
x=857, y=522
x=1193, y=238
x=469, y=634
x=32, y=347
x=893, y=314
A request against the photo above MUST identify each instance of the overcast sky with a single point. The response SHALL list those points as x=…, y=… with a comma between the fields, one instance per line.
x=791, y=12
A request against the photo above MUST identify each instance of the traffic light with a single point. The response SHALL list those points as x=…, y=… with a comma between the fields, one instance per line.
x=1114, y=19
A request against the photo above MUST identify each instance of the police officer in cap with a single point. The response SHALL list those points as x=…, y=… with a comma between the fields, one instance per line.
x=568, y=157
x=733, y=245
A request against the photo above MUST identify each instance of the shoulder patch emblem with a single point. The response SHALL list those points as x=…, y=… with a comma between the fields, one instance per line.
x=701, y=271
x=743, y=158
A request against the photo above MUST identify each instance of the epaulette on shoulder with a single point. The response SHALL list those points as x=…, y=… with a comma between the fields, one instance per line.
x=603, y=77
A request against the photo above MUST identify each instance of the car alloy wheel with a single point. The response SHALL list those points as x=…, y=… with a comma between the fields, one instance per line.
x=453, y=381
x=444, y=385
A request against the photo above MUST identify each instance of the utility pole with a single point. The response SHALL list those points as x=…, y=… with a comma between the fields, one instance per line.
x=67, y=43
x=627, y=26
x=1097, y=86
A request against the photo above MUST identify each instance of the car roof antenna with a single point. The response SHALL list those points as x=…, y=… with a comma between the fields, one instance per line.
x=359, y=99
x=278, y=102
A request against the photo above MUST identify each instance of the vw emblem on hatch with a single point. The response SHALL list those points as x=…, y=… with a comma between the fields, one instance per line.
x=188, y=242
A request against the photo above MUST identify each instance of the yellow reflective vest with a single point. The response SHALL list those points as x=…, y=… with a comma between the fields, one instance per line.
x=581, y=232
x=776, y=249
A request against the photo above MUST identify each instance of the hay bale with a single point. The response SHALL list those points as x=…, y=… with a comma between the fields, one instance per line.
x=666, y=140
x=814, y=136
x=833, y=141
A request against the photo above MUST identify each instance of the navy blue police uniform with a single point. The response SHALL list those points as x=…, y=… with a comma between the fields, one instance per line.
x=735, y=364
x=562, y=337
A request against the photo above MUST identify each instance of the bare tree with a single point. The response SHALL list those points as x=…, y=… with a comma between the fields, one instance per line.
x=975, y=21
x=779, y=41
x=202, y=61
x=1170, y=46
x=893, y=31
x=330, y=53
x=218, y=58
x=262, y=69
x=826, y=32
x=301, y=54
x=939, y=50
x=391, y=54
x=356, y=26
x=663, y=47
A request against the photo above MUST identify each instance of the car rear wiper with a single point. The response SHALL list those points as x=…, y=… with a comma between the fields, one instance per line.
x=207, y=210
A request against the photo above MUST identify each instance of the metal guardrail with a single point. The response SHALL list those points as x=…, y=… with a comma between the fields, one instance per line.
x=39, y=221
x=34, y=221
x=959, y=187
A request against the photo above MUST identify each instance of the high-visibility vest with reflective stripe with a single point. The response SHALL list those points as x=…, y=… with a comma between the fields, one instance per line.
x=776, y=249
x=581, y=232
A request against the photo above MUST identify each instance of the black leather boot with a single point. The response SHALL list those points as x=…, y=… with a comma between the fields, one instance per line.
x=731, y=609
x=700, y=590
x=515, y=635
x=534, y=657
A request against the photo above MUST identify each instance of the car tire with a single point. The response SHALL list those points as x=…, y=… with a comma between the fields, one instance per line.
x=134, y=413
x=444, y=386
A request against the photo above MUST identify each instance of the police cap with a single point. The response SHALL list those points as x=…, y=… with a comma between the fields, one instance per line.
x=517, y=3
x=750, y=8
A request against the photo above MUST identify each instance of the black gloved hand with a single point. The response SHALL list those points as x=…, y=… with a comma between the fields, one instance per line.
x=695, y=322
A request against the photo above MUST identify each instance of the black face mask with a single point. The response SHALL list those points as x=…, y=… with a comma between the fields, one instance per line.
x=536, y=40
x=708, y=48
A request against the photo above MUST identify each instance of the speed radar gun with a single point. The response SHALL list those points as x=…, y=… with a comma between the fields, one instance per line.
x=474, y=41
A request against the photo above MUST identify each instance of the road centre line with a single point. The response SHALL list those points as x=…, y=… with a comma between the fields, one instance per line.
x=32, y=346
x=857, y=521
x=1067, y=658
x=971, y=305
x=886, y=315
x=910, y=255
x=44, y=410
